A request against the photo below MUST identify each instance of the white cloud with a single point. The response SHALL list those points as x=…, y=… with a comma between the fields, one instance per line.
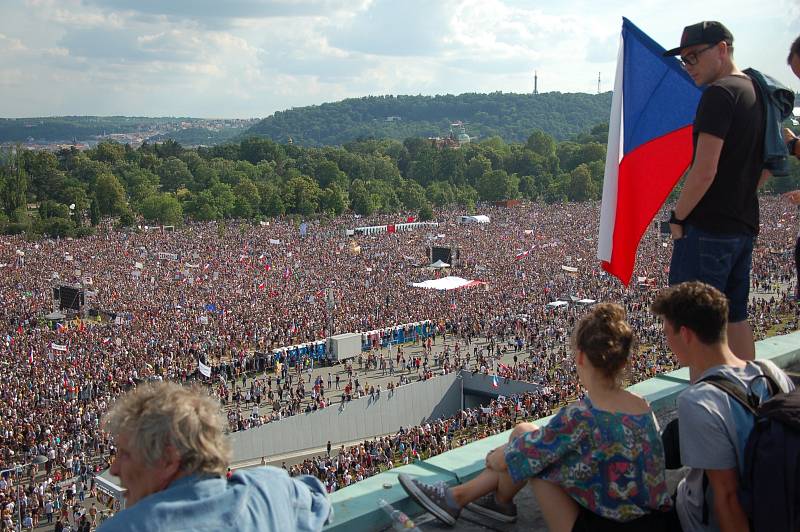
x=254, y=57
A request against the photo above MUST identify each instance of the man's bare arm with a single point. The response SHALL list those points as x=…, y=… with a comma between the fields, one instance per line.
x=730, y=516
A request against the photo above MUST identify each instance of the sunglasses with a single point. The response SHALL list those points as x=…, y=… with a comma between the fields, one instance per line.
x=692, y=58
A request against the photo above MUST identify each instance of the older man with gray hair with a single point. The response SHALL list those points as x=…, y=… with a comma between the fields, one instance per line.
x=172, y=458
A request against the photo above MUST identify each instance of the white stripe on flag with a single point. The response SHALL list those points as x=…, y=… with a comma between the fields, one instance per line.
x=614, y=153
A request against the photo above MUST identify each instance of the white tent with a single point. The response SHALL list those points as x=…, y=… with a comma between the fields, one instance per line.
x=439, y=264
x=447, y=283
x=477, y=219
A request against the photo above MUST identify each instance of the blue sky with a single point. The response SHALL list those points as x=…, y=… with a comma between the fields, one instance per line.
x=250, y=58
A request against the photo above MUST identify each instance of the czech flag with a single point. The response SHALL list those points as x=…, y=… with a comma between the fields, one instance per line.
x=495, y=384
x=649, y=145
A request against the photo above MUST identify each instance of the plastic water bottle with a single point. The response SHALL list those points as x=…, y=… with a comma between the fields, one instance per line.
x=400, y=521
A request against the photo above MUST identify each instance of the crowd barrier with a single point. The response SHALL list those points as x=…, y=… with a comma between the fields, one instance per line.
x=318, y=349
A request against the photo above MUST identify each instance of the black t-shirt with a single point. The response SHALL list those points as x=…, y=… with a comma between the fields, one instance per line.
x=731, y=109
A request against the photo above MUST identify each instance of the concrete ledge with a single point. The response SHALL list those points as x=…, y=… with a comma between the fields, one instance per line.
x=356, y=507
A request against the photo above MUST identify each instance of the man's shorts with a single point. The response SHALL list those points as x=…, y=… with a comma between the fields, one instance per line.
x=721, y=260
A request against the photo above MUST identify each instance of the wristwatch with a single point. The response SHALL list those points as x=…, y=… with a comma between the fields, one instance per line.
x=674, y=220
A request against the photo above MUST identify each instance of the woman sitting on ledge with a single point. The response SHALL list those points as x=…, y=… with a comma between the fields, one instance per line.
x=597, y=465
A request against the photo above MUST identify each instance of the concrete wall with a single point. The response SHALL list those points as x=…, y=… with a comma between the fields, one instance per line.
x=411, y=404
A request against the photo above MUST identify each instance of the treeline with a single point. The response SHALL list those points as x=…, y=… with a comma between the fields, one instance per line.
x=65, y=128
x=68, y=192
x=512, y=117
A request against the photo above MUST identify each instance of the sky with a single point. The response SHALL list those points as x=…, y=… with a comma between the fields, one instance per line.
x=251, y=58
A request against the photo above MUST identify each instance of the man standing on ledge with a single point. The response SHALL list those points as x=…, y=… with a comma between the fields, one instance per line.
x=172, y=458
x=716, y=217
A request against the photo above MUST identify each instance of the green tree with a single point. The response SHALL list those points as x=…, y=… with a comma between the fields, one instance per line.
x=108, y=151
x=271, y=200
x=425, y=212
x=110, y=194
x=127, y=218
x=385, y=168
x=301, y=195
x=581, y=187
x=527, y=187
x=541, y=144
x=201, y=206
x=497, y=185
x=168, y=149
x=52, y=209
x=247, y=199
x=13, y=182
x=440, y=194
x=412, y=195
x=555, y=190
x=326, y=172
x=467, y=196
x=57, y=227
x=224, y=199
x=163, y=209
x=44, y=175
x=333, y=200
x=256, y=150
x=451, y=167
x=94, y=211
x=360, y=199
x=74, y=193
x=383, y=195
x=87, y=170
x=477, y=166
x=175, y=174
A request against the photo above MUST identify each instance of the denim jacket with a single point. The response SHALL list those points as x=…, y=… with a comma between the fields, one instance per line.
x=778, y=102
x=258, y=499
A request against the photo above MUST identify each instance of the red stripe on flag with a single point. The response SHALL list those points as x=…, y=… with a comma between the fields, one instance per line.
x=646, y=177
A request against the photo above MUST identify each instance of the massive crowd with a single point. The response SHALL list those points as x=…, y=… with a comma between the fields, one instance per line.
x=237, y=290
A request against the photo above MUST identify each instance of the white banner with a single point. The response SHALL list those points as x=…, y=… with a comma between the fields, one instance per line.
x=203, y=369
x=59, y=347
x=167, y=256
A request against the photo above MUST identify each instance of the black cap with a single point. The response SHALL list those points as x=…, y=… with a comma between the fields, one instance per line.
x=706, y=32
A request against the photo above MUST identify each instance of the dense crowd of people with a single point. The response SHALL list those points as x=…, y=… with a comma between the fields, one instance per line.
x=234, y=292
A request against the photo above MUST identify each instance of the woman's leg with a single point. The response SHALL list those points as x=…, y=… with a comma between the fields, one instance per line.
x=485, y=482
x=488, y=481
x=559, y=509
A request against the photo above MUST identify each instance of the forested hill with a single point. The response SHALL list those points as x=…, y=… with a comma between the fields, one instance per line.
x=510, y=116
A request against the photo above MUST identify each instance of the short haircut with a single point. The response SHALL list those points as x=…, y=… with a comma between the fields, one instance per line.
x=605, y=338
x=696, y=306
x=156, y=415
x=794, y=50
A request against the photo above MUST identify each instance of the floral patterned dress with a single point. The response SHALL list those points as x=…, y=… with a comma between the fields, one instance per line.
x=611, y=463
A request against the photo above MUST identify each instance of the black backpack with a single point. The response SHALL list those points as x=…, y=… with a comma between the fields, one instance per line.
x=770, y=483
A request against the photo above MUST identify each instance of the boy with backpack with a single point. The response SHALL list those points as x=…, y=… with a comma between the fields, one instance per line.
x=725, y=421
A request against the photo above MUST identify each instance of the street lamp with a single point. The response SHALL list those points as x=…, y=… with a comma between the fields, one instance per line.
x=37, y=460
